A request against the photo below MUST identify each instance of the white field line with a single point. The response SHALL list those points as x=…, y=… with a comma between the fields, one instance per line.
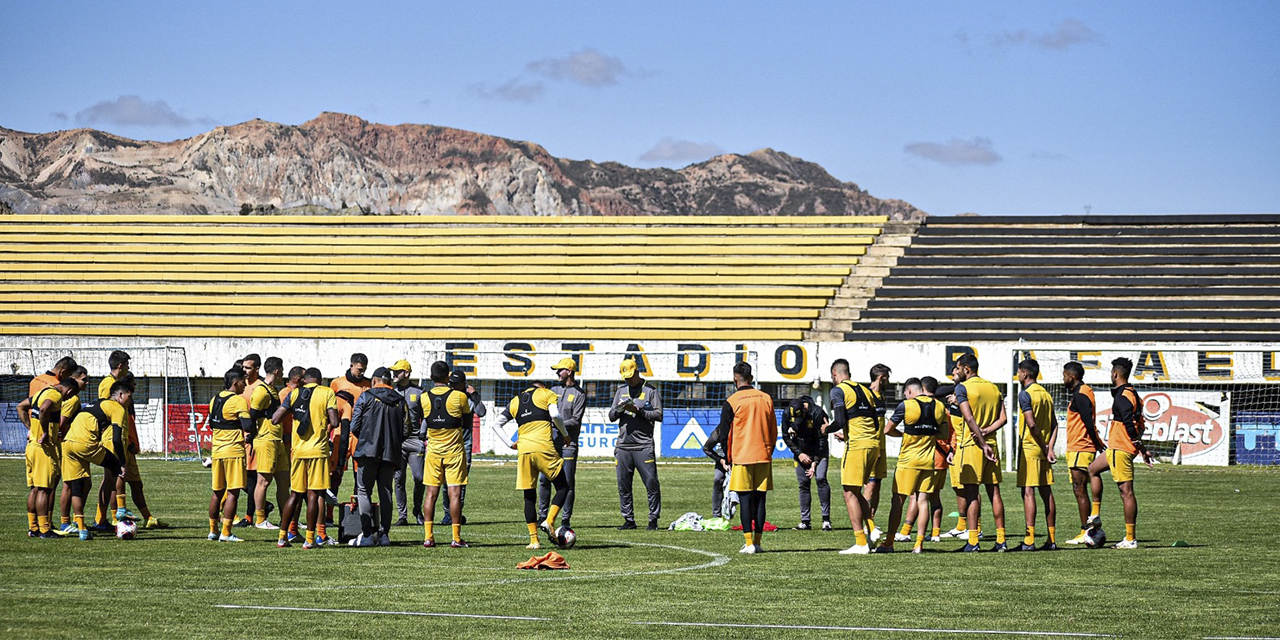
x=379, y=613
x=900, y=629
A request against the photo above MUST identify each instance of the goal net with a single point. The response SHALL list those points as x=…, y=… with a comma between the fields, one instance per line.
x=1200, y=406
x=166, y=416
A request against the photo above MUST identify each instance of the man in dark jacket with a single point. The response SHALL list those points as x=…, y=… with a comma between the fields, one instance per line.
x=377, y=422
x=802, y=431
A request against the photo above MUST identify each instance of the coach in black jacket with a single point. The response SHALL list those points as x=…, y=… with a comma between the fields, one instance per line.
x=377, y=422
x=802, y=424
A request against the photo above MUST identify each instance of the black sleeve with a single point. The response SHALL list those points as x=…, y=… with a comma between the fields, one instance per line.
x=789, y=428
x=1129, y=417
x=118, y=439
x=344, y=437
x=720, y=434
x=839, y=418
x=247, y=425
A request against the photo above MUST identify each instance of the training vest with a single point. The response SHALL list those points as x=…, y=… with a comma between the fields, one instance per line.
x=440, y=418
x=526, y=410
x=927, y=423
x=860, y=393
x=216, y=420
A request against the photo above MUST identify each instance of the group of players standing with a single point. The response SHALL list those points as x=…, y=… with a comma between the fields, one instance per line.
x=950, y=431
x=303, y=436
x=67, y=433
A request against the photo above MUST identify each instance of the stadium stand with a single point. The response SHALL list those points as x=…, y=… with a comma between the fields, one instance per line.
x=1124, y=278
x=483, y=277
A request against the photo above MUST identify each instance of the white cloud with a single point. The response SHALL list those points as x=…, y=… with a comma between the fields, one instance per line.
x=134, y=111
x=587, y=67
x=670, y=150
x=1068, y=33
x=956, y=152
x=512, y=91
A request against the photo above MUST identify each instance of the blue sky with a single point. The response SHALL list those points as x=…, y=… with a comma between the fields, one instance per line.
x=994, y=108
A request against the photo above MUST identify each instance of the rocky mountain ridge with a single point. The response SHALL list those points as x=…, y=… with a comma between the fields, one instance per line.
x=341, y=162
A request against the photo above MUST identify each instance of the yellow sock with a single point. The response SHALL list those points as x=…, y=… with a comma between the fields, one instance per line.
x=1096, y=509
x=1053, y=537
x=226, y=527
x=871, y=524
x=31, y=522
x=1031, y=536
x=973, y=536
x=746, y=535
x=920, y=540
x=999, y=535
x=533, y=533
x=100, y=517
x=1129, y=531
x=860, y=537
x=428, y=530
x=906, y=529
x=80, y=523
x=284, y=533
x=962, y=524
x=755, y=537
x=311, y=535
x=119, y=500
x=43, y=523
x=457, y=533
x=259, y=516
x=213, y=525
x=552, y=512
x=64, y=519
x=937, y=531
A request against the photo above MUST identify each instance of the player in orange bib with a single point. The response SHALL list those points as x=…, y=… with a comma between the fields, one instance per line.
x=1083, y=445
x=749, y=430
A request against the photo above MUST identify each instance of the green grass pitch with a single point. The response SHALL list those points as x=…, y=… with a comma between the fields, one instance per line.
x=166, y=584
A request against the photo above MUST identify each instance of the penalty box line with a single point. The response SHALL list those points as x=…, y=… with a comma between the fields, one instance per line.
x=899, y=629
x=430, y=614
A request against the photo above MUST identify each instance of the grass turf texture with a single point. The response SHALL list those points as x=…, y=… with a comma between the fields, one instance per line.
x=166, y=583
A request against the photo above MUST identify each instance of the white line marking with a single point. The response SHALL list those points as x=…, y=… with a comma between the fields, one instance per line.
x=1239, y=638
x=380, y=613
x=909, y=630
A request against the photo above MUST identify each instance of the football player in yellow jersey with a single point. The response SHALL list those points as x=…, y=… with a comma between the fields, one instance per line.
x=229, y=419
x=857, y=422
x=535, y=410
x=70, y=407
x=982, y=407
x=447, y=413
x=268, y=443
x=1038, y=435
x=922, y=420
x=42, y=415
x=315, y=415
x=83, y=446
x=871, y=491
x=131, y=475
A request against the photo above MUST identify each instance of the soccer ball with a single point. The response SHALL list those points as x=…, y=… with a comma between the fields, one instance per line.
x=126, y=530
x=1095, y=538
x=565, y=538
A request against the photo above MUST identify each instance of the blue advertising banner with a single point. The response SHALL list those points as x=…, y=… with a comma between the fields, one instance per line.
x=684, y=431
x=1257, y=437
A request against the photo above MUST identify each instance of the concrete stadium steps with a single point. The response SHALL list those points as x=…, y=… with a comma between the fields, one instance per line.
x=1201, y=278
x=482, y=277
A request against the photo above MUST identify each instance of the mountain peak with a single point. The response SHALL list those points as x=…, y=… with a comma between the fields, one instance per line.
x=337, y=161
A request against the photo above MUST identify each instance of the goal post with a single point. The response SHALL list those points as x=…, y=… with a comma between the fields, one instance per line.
x=690, y=383
x=166, y=415
x=1201, y=405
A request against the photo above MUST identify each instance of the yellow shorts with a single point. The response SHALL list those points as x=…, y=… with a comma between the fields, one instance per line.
x=449, y=469
x=1034, y=471
x=939, y=479
x=857, y=466
x=309, y=474
x=529, y=465
x=954, y=472
x=881, y=471
x=1121, y=463
x=751, y=477
x=1080, y=459
x=228, y=473
x=272, y=456
x=907, y=481
x=130, y=471
x=976, y=469
x=43, y=465
x=76, y=458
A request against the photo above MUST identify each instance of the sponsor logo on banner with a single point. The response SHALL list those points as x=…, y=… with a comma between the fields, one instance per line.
x=1257, y=437
x=187, y=430
x=598, y=435
x=1195, y=420
x=688, y=429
